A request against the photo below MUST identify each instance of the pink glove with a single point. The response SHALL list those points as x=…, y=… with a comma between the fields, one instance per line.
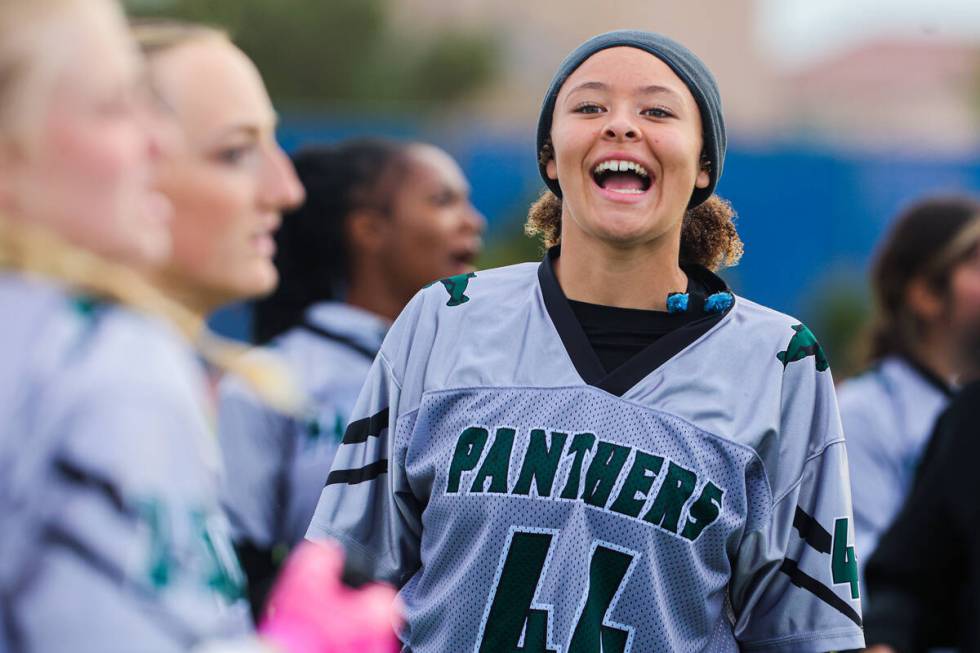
x=311, y=610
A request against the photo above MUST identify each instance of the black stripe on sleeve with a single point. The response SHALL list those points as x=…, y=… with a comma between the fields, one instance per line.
x=75, y=474
x=812, y=532
x=355, y=476
x=365, y=428
x=818, y=589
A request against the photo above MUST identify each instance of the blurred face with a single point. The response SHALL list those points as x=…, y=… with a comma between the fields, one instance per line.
x=80, y=163
x=226, y=176
x=963, y=306
x=433, y=231
x=627, y=141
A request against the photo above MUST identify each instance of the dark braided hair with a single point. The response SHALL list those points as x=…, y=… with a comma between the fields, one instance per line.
x=313, y=254
x=917, y=247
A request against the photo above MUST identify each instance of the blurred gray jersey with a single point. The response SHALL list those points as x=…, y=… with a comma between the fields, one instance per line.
x=111, y=536
x=888, y=414
x=694, y=499
x=277, y=463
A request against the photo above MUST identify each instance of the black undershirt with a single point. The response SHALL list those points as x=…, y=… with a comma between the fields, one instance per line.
x=617, y=334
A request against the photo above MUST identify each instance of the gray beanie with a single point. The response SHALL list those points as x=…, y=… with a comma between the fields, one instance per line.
x=685, y=65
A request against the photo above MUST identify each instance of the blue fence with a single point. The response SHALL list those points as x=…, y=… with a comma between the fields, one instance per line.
x=804, y=213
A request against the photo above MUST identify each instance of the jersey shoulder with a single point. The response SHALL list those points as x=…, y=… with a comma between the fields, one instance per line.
x=55, y=333
x=457, y=305
x=757, y=340
x=747, y=378
x=480, y=289
x=766, y=325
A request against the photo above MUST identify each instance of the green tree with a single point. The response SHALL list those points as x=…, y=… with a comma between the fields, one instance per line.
x=344, y=54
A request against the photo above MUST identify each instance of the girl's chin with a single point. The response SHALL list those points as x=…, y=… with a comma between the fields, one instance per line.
x=260, y=280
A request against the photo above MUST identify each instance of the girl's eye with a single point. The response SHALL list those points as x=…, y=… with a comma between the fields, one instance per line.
x=658, y=112
x=588, y=107
x=235, y=155
x=445, y=198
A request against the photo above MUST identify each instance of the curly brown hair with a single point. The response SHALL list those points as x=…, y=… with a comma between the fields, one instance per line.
x=708, y=234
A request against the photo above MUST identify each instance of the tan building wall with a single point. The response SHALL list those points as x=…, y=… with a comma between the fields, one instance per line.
x=897, y=94
x=537, y=34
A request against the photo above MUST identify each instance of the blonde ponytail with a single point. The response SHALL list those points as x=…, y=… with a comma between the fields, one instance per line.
x=37, y=251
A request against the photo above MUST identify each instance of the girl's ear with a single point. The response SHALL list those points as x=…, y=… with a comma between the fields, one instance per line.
x=703, y=179
x=367, y=230
x=924, y=301
x=547, y=157
x=704, y=174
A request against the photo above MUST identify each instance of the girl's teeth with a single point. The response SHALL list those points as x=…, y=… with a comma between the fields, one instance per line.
x=626, y=191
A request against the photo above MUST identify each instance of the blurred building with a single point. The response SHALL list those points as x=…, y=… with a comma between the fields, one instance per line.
x=915, y=93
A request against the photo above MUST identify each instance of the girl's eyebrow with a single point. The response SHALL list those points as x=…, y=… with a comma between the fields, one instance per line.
x=657, y=89
x=595, y=86
x=652, y=89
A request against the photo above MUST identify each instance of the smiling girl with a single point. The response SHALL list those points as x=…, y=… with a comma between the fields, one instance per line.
x=609, y=450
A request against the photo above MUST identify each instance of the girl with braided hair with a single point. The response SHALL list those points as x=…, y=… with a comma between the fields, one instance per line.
x=381, y=219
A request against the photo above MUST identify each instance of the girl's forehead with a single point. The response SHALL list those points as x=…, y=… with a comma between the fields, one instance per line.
x=625, y=68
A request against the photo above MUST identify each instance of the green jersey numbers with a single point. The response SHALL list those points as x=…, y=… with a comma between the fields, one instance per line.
x=843, y=563
x=515, y=623
x=208, y=556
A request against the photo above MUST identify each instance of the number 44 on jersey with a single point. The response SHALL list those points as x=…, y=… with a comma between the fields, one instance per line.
x=514, y=624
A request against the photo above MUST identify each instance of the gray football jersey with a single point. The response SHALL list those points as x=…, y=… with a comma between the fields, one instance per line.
x=276, y=462
x=888, y=414
x=111, y=535
x=694, y=499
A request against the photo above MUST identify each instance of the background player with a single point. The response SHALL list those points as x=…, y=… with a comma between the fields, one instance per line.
x=608, y=450
x=381, y=219
x=924, y=576
x=224, y=172
x=111, y=536
x=926, y=297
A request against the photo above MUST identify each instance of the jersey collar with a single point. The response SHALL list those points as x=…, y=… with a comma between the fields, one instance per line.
x=627, y=375
x=359, y=330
